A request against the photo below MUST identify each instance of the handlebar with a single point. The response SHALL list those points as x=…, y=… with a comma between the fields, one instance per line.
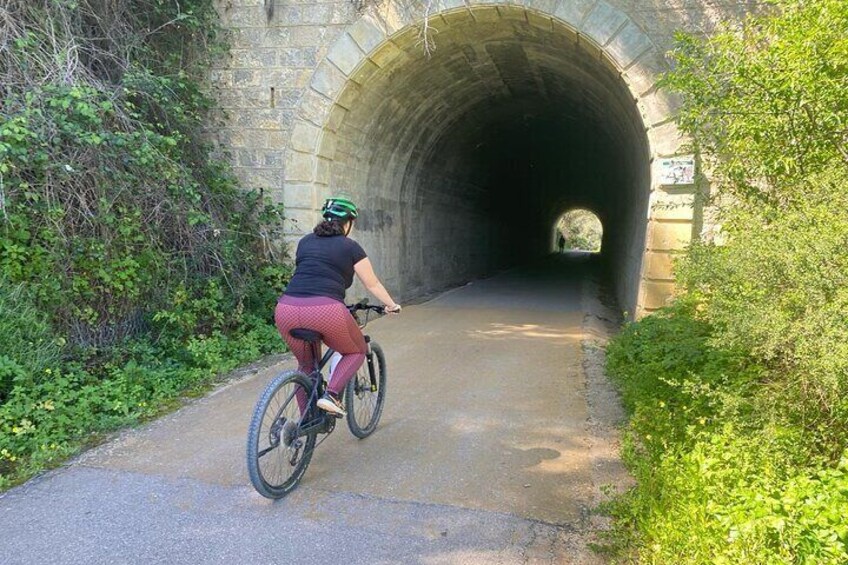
x=363, y=305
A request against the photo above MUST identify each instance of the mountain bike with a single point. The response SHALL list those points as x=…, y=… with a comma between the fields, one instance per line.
x=286, y=422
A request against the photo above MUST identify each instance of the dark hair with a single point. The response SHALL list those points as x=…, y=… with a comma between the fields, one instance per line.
x=329, y=228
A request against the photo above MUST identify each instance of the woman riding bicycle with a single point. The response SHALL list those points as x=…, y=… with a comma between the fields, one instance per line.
x=325, y=263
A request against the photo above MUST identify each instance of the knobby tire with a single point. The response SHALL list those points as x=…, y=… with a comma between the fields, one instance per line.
x=354, y=401
x=261, y=453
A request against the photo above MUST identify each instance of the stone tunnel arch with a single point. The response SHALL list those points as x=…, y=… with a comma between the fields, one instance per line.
x=459, y=158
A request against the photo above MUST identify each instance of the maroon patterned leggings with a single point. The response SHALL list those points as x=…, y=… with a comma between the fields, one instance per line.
x=332, y=319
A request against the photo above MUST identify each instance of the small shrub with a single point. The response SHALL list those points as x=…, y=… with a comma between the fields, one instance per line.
x=41, y=423
x=26, y=338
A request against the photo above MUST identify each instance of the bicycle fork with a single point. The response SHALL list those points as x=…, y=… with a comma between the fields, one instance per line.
x=369, y=357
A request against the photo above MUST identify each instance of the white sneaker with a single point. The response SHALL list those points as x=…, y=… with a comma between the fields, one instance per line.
x=331, y=404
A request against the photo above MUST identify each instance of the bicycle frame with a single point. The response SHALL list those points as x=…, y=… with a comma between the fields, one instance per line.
x=320, y=421
x=324, y=422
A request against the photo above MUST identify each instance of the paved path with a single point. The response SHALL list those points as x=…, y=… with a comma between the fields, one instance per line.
x=490, y=450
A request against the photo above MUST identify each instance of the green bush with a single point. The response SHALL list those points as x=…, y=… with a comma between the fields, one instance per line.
x=113, y=203
x=764, y=105
x=42, y=423
x=133, y=268
x=778, y=291
x=720, y=478
x=739, y=429
x=26, y=339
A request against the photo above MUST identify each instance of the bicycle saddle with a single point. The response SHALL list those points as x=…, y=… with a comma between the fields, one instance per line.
x=306, y=335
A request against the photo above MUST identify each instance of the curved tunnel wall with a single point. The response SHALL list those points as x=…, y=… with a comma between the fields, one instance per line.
x=464, y=159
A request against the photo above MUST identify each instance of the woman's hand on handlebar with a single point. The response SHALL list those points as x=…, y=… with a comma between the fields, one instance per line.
x=393, y=309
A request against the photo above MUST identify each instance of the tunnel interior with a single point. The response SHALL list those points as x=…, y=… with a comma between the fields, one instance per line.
x=464, y=158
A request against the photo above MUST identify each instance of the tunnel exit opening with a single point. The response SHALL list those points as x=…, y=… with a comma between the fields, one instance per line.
x=464, y=158
x=578, y=230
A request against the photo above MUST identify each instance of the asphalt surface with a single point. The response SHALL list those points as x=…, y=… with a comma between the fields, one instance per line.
x=493, y=447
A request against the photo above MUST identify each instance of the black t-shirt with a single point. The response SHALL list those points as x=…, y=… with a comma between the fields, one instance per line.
x=324, y=266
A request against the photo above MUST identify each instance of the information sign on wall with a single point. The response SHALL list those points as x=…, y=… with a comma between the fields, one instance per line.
x=677, y=170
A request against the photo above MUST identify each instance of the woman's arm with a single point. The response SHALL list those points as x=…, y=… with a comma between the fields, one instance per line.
x=365, y=271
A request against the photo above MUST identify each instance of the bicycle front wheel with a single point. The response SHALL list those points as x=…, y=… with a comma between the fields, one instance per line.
x=364, y=399
x=277, y=452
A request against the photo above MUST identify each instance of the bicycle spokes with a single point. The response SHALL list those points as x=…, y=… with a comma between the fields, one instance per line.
x=279, y=447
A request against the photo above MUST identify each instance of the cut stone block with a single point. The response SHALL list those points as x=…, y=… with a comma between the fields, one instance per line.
x=300, y=196
x=349, y=94
x=602, y=22
x=327, y=148
x=300, y=167
x=322, y=172
x=628, y=45
x=672, y=206
x=328, y=80
x=545, y=7
x=669, y=236
x=659, y=266
x=573, y=11
x=540, y=21
x=345, y=54
x=304, y=137
x=387, y=53
x=365, y=71
x=659, y=107
x=486, y=14
x=299, y=221
x=314, y=107
x=367, y=34
x=666, y=140
x=337, y=116
x=656, y=294
x=643, y=74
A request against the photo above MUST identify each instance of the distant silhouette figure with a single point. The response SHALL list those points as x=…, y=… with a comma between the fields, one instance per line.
x=561, y=243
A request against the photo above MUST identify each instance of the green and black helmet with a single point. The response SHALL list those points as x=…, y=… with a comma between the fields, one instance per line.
x=339, y=208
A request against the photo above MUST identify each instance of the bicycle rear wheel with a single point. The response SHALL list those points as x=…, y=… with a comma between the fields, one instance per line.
x=364, y=402
x=277, y=452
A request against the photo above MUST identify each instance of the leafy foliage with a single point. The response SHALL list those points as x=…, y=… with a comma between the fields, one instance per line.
x=740, y=419
x=766, y=102
x=111, y=202
x=782, y=298
x=132, y=265
x=53, y=415
x=721, y=479
x=27, y=345
x=581, y=230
